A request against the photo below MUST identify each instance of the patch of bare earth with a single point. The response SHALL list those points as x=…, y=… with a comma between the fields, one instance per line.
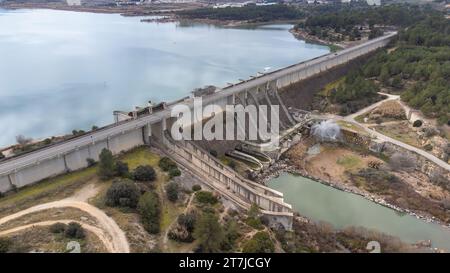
x=332, y=164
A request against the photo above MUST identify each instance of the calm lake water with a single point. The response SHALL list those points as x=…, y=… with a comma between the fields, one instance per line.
x=323, y=203
x=66, y=70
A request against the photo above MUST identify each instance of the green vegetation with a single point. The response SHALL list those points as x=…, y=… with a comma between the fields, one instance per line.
x=250, y=13
x=347, y=21
x=417, y=123
x=123, y=193
x=172, y=190
x=48, y=190
x=253, y=217
x=150, y=209
x=419, y=66
x=106, y=164
x=205, y=197
x=231, y=235
x=349, y=161
x=168, y=165
x=354, y=93
x=186, y=225
x=209, y=232
x=426, y=69
x=74, y=231
x=196, y=187
x=122, y=169
x=5, y=245
x=259, y=243
x=144, y=173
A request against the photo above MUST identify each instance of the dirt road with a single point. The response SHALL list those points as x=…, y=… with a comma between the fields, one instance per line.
x=117, y=241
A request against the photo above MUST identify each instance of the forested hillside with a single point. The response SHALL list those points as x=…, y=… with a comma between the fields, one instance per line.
x=419, y=68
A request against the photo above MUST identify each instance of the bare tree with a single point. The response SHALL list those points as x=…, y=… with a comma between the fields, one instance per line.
x=22, y=140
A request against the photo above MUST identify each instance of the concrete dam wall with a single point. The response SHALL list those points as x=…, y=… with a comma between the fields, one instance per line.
x=70, y=155
x=73, y=160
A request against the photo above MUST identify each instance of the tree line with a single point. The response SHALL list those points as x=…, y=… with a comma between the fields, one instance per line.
x=251, y=13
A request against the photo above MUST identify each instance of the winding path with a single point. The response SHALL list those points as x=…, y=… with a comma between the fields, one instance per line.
x=111, y=232
x=382, y=137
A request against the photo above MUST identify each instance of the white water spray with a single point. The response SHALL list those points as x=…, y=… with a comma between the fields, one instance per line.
x=326, y=130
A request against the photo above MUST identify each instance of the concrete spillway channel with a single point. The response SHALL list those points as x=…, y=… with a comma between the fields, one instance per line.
x=255, y=160
x=261, y=157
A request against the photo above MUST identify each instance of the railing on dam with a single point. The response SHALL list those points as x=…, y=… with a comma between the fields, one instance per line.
x=42, y=163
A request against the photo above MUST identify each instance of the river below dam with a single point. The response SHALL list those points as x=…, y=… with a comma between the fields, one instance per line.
x=63, y=70
x=320, y=202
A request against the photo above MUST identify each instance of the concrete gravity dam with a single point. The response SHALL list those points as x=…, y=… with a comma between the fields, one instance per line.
x=149, y=126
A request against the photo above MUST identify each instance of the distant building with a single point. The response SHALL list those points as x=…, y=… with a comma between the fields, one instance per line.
x=374, y=2
x=72, y=2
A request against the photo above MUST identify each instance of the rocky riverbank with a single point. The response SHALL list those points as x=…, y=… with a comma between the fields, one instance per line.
x=283, y=166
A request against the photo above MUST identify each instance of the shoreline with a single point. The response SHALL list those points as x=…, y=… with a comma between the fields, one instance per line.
x=126, y=11
x=275, y=170
x=302, y=35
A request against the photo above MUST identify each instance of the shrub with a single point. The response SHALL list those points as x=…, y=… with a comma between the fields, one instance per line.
x=174, y=172
x=428, y=147
x=2, y=155
x=5, y=245
x=259, y=243
x=209, y=232
x=205, y=197
x=172, y=191
x=166, y=164
x=74, y=230
x=122, y=169
x=254, y=223
x=144, y=173
x=183, y=231
x=106, y=164
x=417, y=123
x=253, y=217
x=58, y=228
x=122, y=193
x=231, y=235
x=90, y=162
x=196, y=187
x=149, y=208
x=232, y=164
x=188, y=220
